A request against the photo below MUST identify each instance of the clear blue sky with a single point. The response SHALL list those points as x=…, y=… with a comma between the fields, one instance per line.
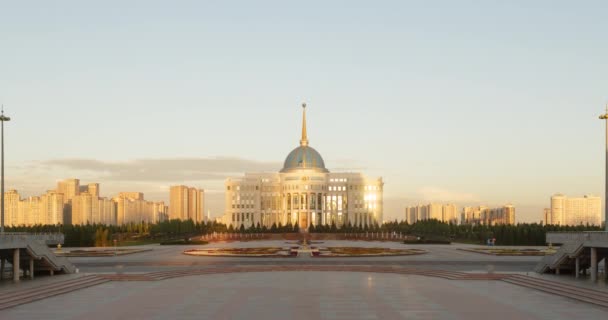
x=473, y=102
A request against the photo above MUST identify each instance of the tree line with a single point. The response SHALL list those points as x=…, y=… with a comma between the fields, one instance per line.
x=104, y=235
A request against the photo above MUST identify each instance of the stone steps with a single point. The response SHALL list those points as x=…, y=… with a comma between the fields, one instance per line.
x=595, y=297
x=15, y=298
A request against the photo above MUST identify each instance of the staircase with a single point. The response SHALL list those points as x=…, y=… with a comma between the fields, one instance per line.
x=22, y=296
x=41, y=252
x=562, y=256
x=592, y=296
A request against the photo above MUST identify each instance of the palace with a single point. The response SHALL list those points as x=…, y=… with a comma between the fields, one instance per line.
x=304, y=192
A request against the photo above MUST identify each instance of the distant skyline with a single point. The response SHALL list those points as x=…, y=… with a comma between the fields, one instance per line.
x=463, y=102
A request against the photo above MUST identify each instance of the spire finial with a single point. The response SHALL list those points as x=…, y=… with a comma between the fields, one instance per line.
x=304, y=140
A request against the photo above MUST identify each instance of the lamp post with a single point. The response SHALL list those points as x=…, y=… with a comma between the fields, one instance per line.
x=2, y=119
x=605, y=117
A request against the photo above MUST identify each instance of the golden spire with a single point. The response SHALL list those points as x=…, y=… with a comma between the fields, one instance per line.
x=304, y=140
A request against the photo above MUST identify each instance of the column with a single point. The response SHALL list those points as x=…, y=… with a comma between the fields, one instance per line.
x=16, y=269
x=593, y=264
x=31, y=273
x=323, y=209
x=577, y=267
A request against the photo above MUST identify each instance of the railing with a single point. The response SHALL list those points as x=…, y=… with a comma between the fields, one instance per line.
x=40, y=251
x=569, y=250
x=563, y=237
x=20, y=237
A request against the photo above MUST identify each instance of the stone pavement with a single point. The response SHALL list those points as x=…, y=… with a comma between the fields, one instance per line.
x=306, y=295
x=444, y=257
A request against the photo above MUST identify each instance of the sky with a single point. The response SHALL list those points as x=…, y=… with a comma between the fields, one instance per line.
x=467, y=102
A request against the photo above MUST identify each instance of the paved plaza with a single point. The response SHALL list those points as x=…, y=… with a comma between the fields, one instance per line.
x=306, y=295
x=163, y=283
x=444, y=257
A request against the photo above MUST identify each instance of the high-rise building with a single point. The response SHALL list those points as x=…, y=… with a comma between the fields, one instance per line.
x=178, y=202
x=576, y=211
x=107, y=211
x=89, y=208
x=46, y=209
x=85, y=207
x=488, y=216
x=450, y=214
x=132, y=195
x=11, y=207
x=93, y=189
x=186, y=203
x=472, y=215
x=131, y=207
x=441, y=212
x=435, y=211
x=69, y=188
x=82, y=209
x=160, y=212
x=51, y=208
x=547, y=216
x=195, y=204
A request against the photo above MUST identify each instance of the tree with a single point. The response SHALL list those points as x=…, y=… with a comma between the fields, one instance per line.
x=333, y=227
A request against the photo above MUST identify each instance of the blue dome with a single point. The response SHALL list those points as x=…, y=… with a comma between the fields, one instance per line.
x=304, y=157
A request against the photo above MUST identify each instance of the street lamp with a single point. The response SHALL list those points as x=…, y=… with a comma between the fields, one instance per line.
x=2, y=119
x=605, y=117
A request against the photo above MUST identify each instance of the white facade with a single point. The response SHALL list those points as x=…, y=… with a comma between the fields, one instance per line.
x=304, y=192
x=575, y=211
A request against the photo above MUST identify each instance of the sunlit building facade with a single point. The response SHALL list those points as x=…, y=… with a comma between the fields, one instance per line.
x=69, y=188
x=302, y=193
x=442, y=212
x=51, y=208
x=11, y=207
x=186, y=203
x=488, y=216
x=88, y=208
x=575, y=211
x=131, y=207
x=38, y=210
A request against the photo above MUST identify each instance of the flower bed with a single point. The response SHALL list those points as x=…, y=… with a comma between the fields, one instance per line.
x=241, y=252
x=364, y=252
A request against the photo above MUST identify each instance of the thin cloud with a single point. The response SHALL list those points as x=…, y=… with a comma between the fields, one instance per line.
x=164, y=170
